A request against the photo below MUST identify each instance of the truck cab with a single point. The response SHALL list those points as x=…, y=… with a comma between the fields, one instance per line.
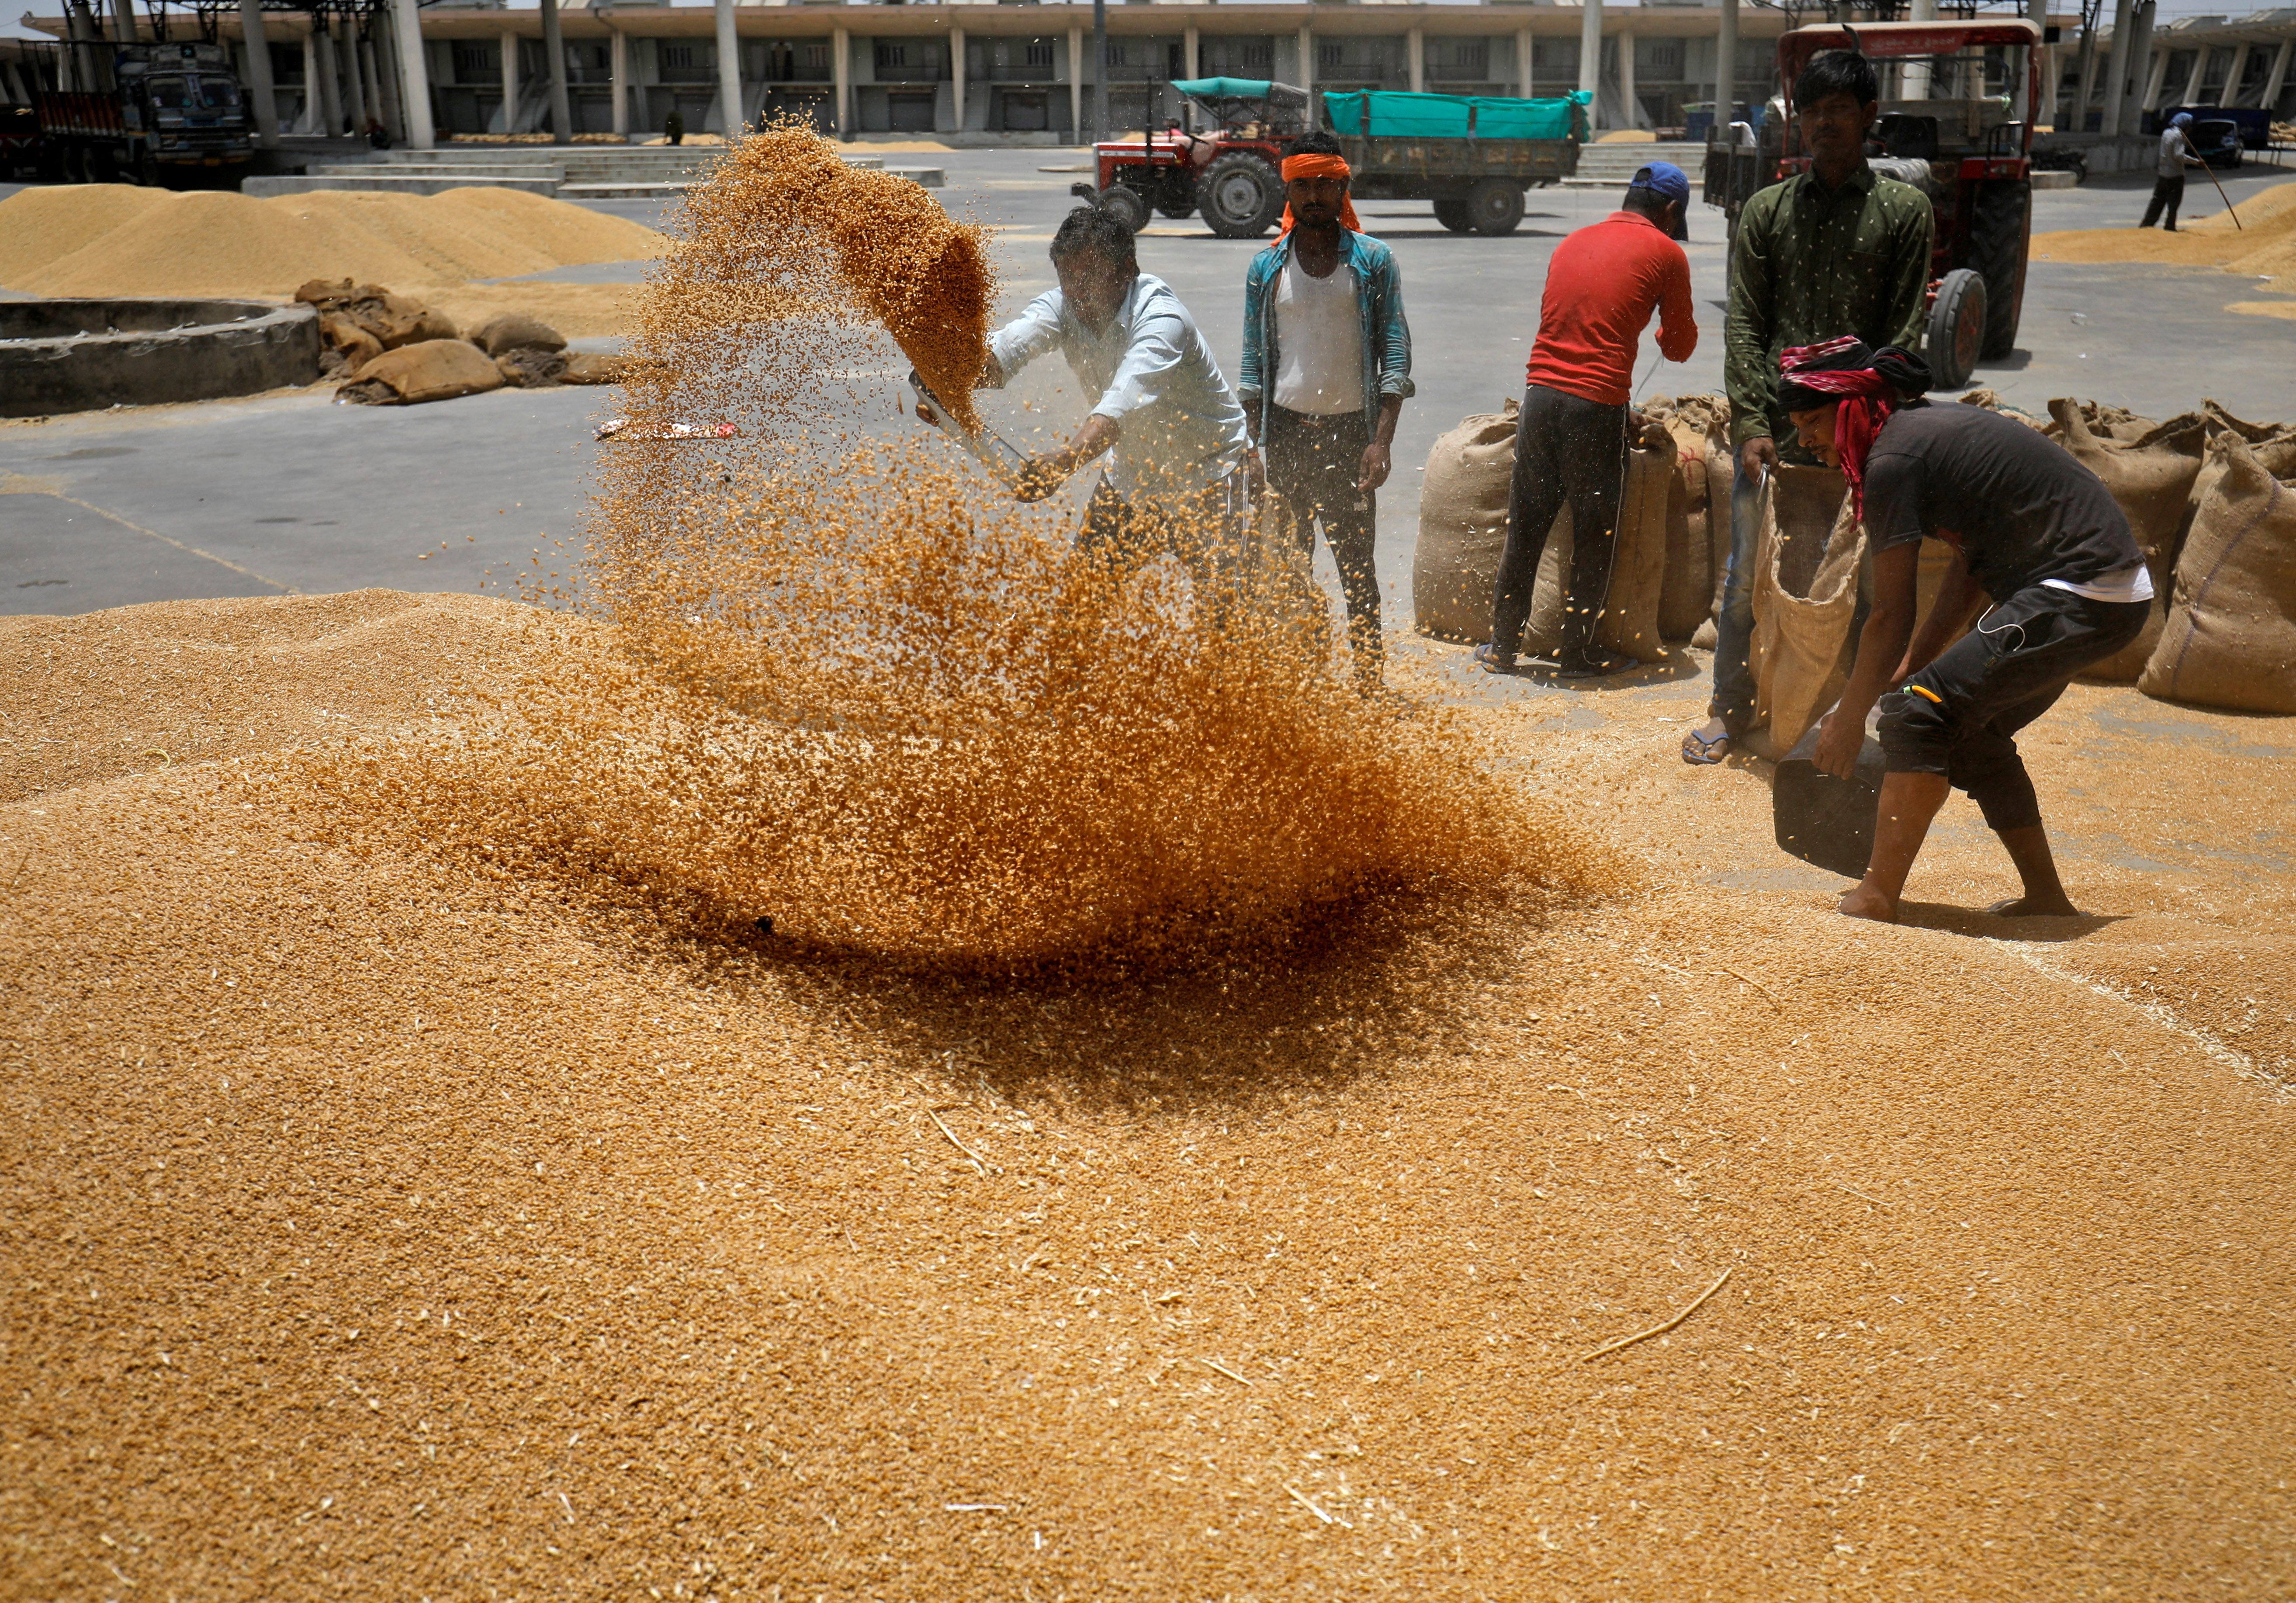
x=174, y=110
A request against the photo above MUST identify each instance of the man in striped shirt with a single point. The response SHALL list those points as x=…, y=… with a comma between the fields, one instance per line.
x=1833, y=250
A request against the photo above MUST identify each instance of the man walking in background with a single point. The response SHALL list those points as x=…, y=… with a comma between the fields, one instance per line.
x=1836, y=250
x=1326, y=366
x=2168, y=173
x=1603, y=284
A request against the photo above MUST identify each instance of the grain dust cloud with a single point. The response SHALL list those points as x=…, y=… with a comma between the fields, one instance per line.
x=841, y=682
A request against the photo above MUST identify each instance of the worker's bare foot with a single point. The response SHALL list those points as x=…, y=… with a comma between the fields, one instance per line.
x=2034, y=907
x=1867, y=902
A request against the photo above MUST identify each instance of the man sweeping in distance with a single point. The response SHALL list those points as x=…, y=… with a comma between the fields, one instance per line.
x=1838, y=249
x=2175, y=156
x=2033, y=532
x=1162, y=411
x=1603, y=284
x=1326, y=366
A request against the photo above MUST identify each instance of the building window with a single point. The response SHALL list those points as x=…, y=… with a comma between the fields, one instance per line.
x=892, y=55
x=472, y=62
x=677, y=55
x=817, y=57
x=1039, y=55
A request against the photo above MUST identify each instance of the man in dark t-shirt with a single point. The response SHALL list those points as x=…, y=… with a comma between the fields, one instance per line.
x=2033, y=532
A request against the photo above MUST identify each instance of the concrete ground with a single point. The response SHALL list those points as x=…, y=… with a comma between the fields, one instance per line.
x=289, y=491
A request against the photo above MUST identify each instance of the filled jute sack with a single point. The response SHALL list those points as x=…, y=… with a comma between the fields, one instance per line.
x=2152, y=480
x=531, y=367
x=1721, y=473
x=2104, y=421
x=1630, y=611
x=1462, y=526
x=506, y=331
x=1805, y=594
x=597, y=367
x=436, y=369
x=1691, y=596
x=2230, y=639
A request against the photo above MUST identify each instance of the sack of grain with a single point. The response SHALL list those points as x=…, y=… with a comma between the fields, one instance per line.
x=531, y=369
x=356, y=346
x=2230, y=638
x=1462, y=526
x=436, y=369
x=326, y=292
x=1990, y=399
x=1721, y=472
x=2106, y=422
x=1805, y=594
x=516, y=331
x=1629, y=623
x=593, y=367
x=400, y=319
x=2151, y=477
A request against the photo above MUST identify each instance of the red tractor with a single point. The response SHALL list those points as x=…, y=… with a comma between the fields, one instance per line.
x=1222, y=160
x=1956, y=123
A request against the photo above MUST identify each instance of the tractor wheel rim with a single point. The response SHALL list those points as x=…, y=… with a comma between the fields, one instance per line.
x=1239, y=197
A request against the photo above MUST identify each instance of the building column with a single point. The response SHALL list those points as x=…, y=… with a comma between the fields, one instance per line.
x=956, y=76
x=1590, y=59
x=618, y=59
x=1076, y=84
x=1416, y=51
x=385, y=92
x=2043, y=107
x=1726, y=67
x=510, y=83
x=1524, y=54
x=2139, y=50
x=307, y=121
x=123, y=22
x=1190, y=54
x=2277, y=78
x=2234, y=73
x=331, y=109
x=729, y=74
x=346, y=54
x=553, y=58
x=2086, y=89
x=2118, y=67
x=2156, y=80
x=1914, y=76
x=261, y=89
x=2193, y=84
x=1632, y=105
x=1308, y=73
x=414, y=74
x=840, y=73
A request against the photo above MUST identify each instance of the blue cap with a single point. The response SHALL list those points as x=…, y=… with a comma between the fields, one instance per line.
x=2182, y=119
x=1667, y=182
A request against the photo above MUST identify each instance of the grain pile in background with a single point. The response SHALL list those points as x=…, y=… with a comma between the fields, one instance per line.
x=850, y=690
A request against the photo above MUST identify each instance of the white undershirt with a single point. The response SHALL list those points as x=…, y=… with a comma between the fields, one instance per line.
x=1318, y=342
x=2123, y=585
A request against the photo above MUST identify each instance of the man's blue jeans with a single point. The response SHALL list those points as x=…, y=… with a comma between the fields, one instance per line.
x=1733, y=701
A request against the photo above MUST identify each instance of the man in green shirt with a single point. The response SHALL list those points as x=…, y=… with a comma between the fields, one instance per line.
x=1838, y=250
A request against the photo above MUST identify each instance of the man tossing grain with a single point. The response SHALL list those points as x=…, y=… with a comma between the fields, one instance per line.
x=2033, y=531
x=1171, y=427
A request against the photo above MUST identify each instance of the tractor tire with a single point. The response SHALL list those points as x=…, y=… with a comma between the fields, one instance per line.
x=1495, y=206
x=1957, y=330
x=1452, y=212
x=1240, y=196
x=1127, y=205
x=1999, y=222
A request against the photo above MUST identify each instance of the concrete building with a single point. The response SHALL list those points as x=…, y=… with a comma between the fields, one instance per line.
x=978, y=70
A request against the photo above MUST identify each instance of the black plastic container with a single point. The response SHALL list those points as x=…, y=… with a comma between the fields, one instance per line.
x=1823, y=819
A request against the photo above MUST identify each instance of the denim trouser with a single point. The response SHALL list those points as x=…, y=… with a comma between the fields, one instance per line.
x=1733, y=701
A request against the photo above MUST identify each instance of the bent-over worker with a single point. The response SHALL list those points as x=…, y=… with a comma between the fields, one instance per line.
x=2168, y=173
x=2033, y=532
x=1603, y=284
x=1162, y=411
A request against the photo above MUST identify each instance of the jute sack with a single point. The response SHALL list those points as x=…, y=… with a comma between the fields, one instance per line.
x=1721, y=472
x=2151, y=477
x=2230, y=639
x=436, y=369
x=507, y=331
x=1805, y=594
x=531, y=367
x=1629, y=623
x=358, y=348
x=2106, y=422
x=596, y=367
x=1688, y=597
x=1462, y=526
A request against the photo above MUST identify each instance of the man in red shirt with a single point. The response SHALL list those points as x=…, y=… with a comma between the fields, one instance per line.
x=1603, y=284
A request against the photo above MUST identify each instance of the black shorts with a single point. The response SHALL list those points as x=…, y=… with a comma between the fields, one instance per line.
x=1959, y=716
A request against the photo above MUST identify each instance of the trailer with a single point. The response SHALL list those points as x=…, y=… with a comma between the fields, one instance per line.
x=1473, y=156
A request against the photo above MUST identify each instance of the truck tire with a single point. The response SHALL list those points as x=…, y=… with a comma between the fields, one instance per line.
x=1957, y=330
x=1495, y=206
x=1125, y=205
x=1240, y=196
x=1452, y=212
x=1999, y=219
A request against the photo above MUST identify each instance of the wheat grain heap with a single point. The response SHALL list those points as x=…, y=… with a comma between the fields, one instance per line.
x=422, y=1177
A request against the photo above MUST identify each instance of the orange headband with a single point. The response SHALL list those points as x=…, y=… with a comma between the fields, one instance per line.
x=1312, y=165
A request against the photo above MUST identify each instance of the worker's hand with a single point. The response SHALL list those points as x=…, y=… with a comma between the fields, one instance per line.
x=1377, y=465
x=1757, y=456
x=1840, y=740
x=1255, y=473
x=926, y=414
x=1038, y=478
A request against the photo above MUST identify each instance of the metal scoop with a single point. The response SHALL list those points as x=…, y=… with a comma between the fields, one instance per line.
x=984, y=445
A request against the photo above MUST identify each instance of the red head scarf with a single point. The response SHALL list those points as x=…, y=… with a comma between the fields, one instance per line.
x=1867, y=387
x=1319, y=166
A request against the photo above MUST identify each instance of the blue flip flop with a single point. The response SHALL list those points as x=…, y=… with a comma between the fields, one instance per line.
x=1492, y=662
x=1709, y=750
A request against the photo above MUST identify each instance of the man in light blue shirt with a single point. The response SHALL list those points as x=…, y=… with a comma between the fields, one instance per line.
x=1171, y=425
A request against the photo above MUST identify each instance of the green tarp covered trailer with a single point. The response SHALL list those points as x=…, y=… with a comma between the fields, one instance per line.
x=1473, y=156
